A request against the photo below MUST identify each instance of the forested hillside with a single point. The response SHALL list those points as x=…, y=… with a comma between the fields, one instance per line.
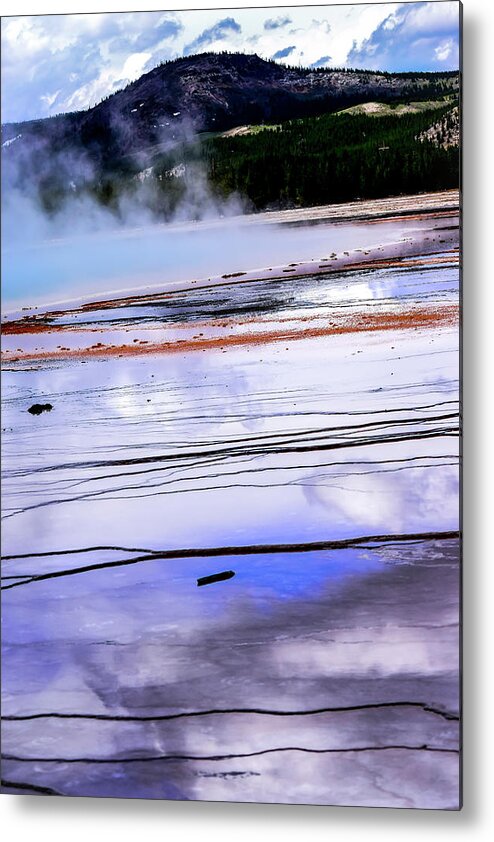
x=156, y=139
x=334, y=158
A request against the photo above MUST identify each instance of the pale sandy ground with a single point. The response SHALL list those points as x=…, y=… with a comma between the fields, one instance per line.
x=365, y=209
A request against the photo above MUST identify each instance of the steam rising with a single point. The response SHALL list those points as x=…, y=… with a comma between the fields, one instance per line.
x=48, y=195
x=59, y=242
x=54, y=222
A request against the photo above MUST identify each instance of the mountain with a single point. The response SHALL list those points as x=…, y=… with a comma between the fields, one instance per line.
x=179, y=99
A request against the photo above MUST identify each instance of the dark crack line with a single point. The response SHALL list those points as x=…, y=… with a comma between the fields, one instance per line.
x=209, y=475
x=42, y=790
x=215, y=552
x=115, y=493
x=96, y=549
x=219, y=757
x=115, y=548
x=352, y=443
x=288, y=439
x=225, y=711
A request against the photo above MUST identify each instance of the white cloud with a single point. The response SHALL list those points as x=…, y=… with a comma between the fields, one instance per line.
x=444, y=50
x=415, y=36
x=134, y=65
x=62, y=62
x=50, y=99
x=81, y=57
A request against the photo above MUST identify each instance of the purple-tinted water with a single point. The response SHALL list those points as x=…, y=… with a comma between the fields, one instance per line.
x=332, y=439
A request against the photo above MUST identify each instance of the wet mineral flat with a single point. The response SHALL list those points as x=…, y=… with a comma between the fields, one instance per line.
x=319, y=465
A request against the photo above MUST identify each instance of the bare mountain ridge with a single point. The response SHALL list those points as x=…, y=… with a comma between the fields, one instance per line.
x=202, y=93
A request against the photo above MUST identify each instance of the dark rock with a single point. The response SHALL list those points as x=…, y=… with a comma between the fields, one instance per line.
x=38, y=408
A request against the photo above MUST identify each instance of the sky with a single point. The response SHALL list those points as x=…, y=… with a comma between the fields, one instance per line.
x=58, y=63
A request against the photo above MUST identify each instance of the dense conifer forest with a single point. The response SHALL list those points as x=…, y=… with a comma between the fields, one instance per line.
x=328, y=159
x=333, y=158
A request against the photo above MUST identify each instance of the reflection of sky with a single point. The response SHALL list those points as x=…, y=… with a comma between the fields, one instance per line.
x=285, y=613
x=166, y=591
x=284, y=634
x=64, y=269
x=406, y=501
x=309, y=295
x=198, y=403
x=290, y=631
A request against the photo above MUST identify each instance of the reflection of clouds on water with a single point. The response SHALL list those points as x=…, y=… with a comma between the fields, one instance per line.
x=318, y=439
x=162, y=255
x=222, y=434
x=417, y=498
x=375, y=635
x=380, y=652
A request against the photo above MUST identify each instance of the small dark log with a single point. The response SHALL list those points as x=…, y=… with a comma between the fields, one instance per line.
x=215, y=577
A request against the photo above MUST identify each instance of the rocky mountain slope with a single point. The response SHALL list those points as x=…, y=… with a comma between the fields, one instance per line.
x=201, y=93
x=446, y=132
